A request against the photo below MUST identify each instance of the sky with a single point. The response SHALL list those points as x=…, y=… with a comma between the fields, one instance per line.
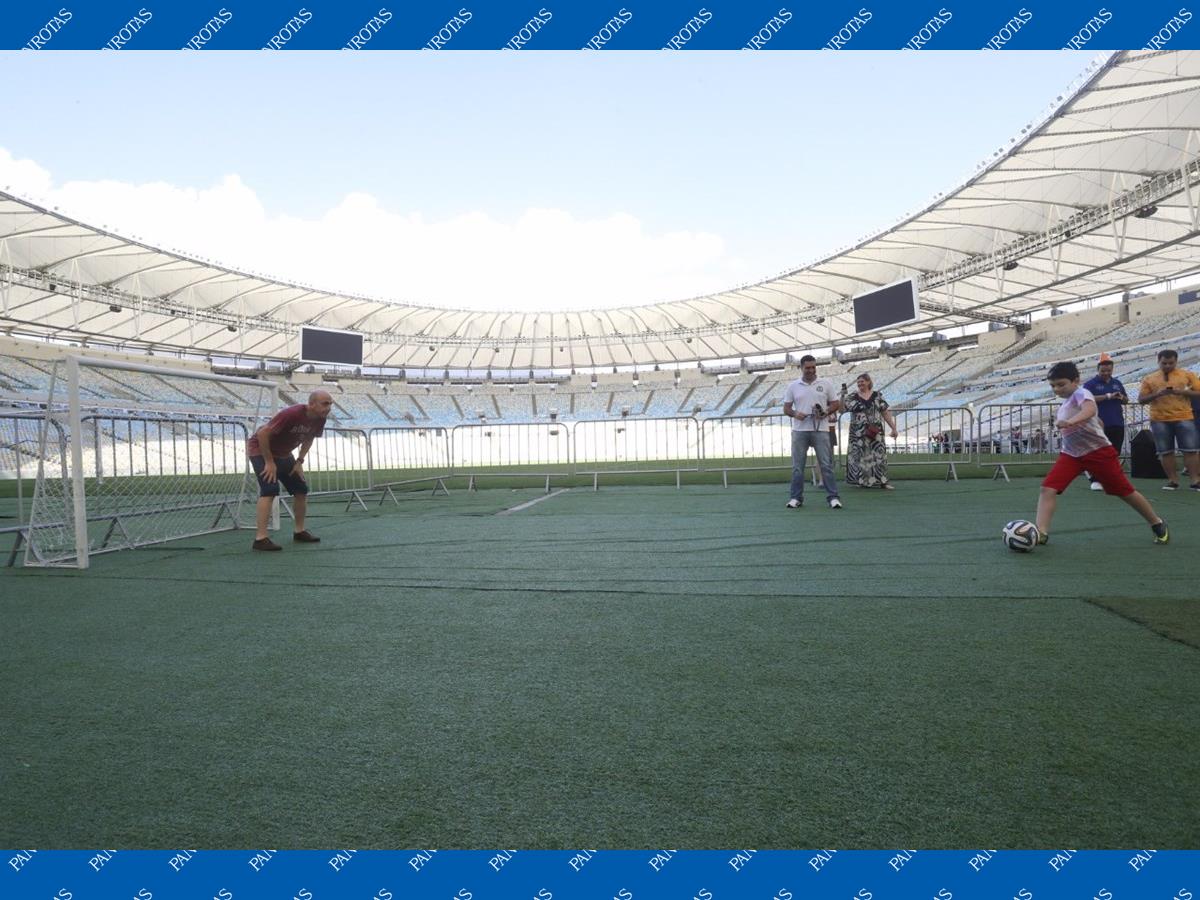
x=529, y=181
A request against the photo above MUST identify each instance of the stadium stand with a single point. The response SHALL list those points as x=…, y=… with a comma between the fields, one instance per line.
x=1004, y=367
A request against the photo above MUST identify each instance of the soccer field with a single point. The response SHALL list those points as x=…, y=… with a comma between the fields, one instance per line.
x=635, y=667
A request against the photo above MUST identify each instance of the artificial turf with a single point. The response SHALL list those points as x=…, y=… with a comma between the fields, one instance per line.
x=626, y=668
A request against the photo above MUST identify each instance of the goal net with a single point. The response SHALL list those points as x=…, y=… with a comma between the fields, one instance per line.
x=133, y=455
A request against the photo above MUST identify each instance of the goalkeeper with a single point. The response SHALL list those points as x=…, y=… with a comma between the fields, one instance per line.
x=270, y=451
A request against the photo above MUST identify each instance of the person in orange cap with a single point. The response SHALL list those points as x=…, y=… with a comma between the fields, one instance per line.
x=1110, y=398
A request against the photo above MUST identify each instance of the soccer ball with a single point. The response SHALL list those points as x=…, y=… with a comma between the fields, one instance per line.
x=1020, y=536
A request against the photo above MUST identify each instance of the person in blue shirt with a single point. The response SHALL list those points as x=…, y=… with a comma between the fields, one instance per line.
x=1110, y=401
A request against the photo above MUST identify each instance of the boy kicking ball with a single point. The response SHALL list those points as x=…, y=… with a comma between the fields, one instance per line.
x=1085, y=448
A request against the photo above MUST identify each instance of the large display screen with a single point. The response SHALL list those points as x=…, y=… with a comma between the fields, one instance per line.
x=895, y=304
x=320, y=345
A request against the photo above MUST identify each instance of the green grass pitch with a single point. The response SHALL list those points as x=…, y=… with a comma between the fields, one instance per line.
x=633, y=667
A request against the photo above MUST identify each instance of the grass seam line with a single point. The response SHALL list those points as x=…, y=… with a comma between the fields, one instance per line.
x=534, y=502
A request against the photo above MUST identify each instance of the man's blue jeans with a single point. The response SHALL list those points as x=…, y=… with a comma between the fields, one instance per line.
x=819, y=441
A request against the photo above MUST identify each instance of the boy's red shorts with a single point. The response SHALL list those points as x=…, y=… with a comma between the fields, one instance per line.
x=1104, y=464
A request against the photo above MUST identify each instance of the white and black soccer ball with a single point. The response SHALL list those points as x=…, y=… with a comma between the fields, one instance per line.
x=1020, y=536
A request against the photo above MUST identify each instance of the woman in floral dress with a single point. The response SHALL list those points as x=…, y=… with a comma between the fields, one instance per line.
x=866, y=460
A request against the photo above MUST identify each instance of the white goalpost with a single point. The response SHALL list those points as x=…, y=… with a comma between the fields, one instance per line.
x=133, y=455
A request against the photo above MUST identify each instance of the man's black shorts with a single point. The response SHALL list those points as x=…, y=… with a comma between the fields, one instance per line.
x=283, y=475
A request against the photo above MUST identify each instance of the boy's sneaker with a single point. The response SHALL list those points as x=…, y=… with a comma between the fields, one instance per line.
x=794, y=503
x=1161, y=535
x=835, y=503
x=265, y=544
x=1043, y=538
x=305, y=537
x=1171, y=486
x=1097, y=486
x=1196, y=486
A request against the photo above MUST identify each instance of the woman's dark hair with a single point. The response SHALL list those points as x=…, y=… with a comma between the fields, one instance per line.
x=1067, y=370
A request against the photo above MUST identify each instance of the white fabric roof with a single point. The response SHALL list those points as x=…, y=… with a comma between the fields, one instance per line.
x=1059, y=202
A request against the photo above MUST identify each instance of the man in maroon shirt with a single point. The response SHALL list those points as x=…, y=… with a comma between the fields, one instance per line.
x=270, y=451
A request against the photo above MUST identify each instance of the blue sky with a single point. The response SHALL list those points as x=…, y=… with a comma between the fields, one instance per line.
x=511, y=179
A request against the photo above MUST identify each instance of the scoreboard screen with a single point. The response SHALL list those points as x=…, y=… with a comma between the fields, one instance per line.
x=320, y=345
x=895, y=304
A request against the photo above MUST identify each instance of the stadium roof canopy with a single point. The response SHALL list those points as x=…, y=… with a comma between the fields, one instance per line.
x=1099, y=197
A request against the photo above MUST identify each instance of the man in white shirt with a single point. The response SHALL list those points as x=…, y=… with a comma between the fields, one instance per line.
x=807, y=402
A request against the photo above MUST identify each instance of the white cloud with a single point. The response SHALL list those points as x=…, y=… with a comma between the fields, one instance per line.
x=543, y=259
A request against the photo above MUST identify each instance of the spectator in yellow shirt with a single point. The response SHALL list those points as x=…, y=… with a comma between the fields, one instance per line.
x=1169, y=391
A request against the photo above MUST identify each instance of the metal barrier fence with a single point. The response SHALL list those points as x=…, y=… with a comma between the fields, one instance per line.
x=636, y=446
x=339, y=462
x=1021, y=432
x=642, y=445
x=942, y=435
x=36, y=448
x=348, y=460
x=124, y=446
x=1014, y=434
x=746, y=443
x=19, y=439
x=399, y=454
x=145, y=478
x=482, y=449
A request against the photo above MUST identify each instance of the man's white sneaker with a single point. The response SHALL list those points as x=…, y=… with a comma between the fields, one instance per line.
x=1097, y=486
x=835, y=503
x=794, y=504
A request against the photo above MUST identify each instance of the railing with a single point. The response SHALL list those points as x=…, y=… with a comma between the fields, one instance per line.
x=937, y=435
x=339, y=462
x=746, y=443
x=645, y=445
x=1019, y=432
x=19, y=440
x=401, y=454
x=124, y=446
x=533, y=446
x=123, y=455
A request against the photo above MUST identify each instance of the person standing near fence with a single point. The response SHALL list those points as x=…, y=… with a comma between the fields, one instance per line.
x=807, y=401
x=1110, y=398
x=866, y=453
x=270, y=451
x=1169, y=392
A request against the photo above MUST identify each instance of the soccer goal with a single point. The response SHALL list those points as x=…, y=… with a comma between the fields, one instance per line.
x=132, y=455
